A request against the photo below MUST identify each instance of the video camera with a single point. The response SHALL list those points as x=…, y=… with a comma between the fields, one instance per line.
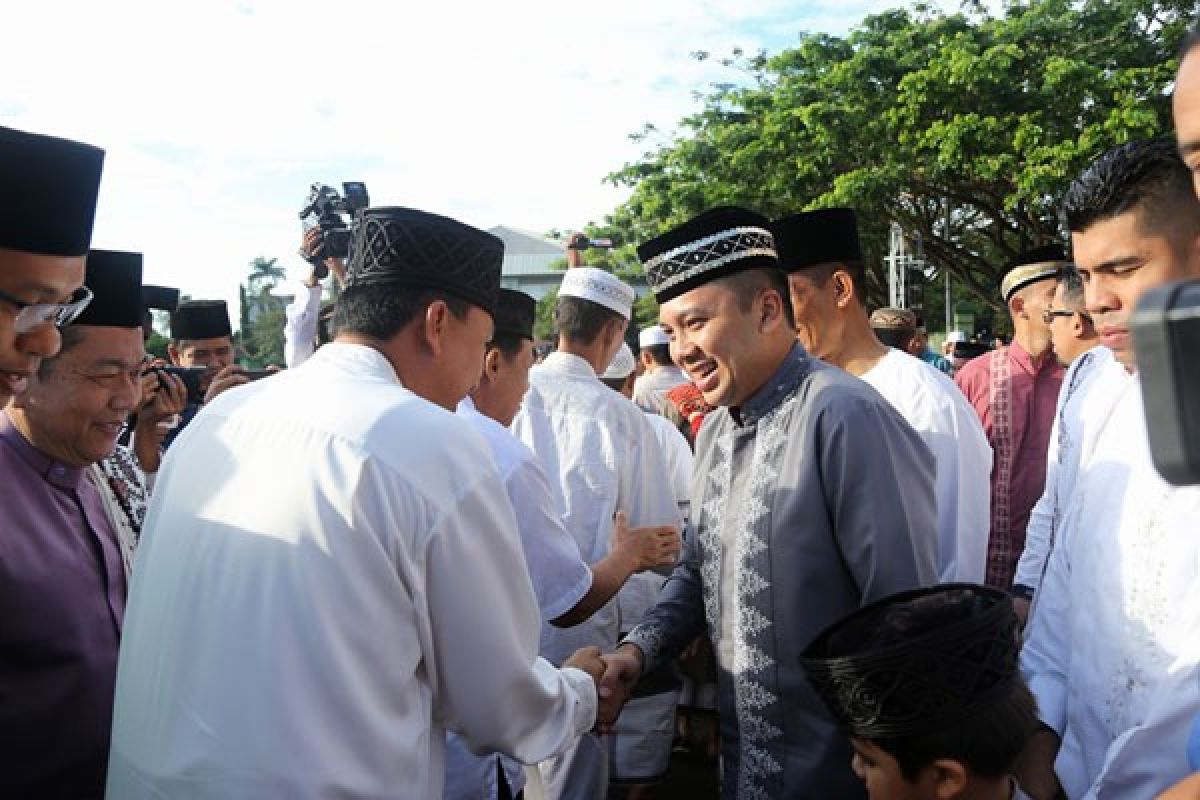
x=335, y=215
x=1166, y=339
x=580, y=241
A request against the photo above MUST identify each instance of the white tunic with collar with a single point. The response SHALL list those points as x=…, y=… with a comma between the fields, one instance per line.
x=1113, y=653
x=329, y=577
x=936, y=409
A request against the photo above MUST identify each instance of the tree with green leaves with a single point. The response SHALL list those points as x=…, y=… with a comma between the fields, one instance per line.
x=964, y=128
x=262, y=313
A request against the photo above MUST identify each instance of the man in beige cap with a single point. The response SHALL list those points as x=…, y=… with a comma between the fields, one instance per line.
x=1014, y=390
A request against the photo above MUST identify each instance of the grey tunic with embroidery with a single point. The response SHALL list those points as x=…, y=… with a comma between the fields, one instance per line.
x=811, y=500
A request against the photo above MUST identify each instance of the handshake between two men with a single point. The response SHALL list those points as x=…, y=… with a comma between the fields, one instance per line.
x=615, y=674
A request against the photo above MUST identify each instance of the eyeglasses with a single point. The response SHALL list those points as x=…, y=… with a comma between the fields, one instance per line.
x=1051, y=314
x=34, y=315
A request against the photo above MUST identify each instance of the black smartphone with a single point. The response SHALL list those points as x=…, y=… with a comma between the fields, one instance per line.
x=255, y=374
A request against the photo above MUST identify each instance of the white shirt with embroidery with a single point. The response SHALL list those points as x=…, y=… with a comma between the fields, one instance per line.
x=1113, y=653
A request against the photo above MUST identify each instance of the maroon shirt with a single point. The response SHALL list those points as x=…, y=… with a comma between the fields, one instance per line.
x=1015, y=397
x=62, y=599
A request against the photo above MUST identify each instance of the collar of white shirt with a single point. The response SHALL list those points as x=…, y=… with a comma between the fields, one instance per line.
x=568, y=364
x=358, y=359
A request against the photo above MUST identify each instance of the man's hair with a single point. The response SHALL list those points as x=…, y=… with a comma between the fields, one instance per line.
x=747, y=284
x=987, y=742
x=581, y=320
x=1147, y=176
x=509, y=344
x=382, y=311
x=1073, y=289
x=821, y=273
x=895, y=337
x=616, y=384
x=660, y=354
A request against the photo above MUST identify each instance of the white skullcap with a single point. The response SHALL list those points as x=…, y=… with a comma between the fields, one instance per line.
x=622, y=364
x=606, y=289
x=654, y=335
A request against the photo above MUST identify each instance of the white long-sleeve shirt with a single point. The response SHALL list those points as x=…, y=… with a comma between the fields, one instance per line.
x=329, y=578
x=1089, y=390
x=1113, y=653
x=601, y=456
x=300, y=318
x=937, y=410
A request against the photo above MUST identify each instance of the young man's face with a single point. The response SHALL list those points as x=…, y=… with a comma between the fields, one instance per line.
x=1070, y=328
x=1119, y=259
x=29, y=278
x=510, y=381
x=215, y=353
x=716, y=342
x=882, y=775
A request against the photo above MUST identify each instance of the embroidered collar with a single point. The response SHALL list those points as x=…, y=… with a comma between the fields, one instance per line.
x=56, y=473
x=1027, y=363
x=789, y=374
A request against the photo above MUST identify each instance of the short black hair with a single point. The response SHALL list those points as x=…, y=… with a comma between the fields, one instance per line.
x=821, y=273
x=660, y=354
x=381, y=311
x=1145, y=175
x=895, y=337
x=581, y=320
x=509, y=344
x=747, y=284
x=616, y=384
x=1073, y=289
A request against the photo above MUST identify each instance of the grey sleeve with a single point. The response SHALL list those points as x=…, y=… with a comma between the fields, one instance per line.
x=878, y=480
x=678, y=616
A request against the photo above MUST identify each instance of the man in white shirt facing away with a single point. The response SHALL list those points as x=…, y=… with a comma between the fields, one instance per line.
x=821, y=253
x=661, y=373
x=330, y=575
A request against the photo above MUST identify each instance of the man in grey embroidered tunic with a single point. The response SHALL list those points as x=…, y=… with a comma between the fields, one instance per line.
x=811, y=497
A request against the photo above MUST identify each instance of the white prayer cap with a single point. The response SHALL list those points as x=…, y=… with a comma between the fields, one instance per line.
x=654, y=335
x=956, y=336
x=606, y=289
x=622, y=364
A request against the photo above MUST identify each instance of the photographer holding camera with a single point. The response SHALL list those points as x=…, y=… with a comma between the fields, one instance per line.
x=302, y=330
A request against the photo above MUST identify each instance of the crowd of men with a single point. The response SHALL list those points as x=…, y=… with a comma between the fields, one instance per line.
x=416, y=564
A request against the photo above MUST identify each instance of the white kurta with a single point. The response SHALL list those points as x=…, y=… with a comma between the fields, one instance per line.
x=560, y=580
x=601, y=456
x=937, y=410
x=1089, y=391
x=1113, y=653
x=330, y=576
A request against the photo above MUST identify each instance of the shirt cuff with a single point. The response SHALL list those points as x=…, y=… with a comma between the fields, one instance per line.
x=584, y=689
x=648, y=639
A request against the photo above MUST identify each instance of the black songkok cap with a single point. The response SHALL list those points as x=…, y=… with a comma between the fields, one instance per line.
x=811, y=238
x=164, y=298
x=514, y=314
x=48, y=190
x=115, y=280
x=410, y=248
x=719, y=242
x=879, y=687
x=200, y=319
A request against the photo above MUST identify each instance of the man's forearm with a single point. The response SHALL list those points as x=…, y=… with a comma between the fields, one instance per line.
x=608, y=576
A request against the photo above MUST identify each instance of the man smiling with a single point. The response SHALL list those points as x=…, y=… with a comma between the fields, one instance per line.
x=812, y=497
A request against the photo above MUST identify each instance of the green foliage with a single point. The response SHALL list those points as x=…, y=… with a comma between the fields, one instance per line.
x=156, y=346
x=914, y=109
x=262, y=314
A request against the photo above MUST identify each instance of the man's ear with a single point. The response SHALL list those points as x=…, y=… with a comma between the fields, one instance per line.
x=772, y=310
x=434, y=328
x=491, y=363
x=843, y=288
x=1016, y=305
x=173, y=353
x=948, y=777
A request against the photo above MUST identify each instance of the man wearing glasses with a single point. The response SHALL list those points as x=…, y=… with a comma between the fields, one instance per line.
x=63, y=559
x=46, y=211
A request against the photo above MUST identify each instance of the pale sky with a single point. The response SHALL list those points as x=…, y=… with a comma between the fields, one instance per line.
x=217, y=115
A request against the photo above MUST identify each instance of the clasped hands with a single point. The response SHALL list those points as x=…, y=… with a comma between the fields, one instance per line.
x=615, y=675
